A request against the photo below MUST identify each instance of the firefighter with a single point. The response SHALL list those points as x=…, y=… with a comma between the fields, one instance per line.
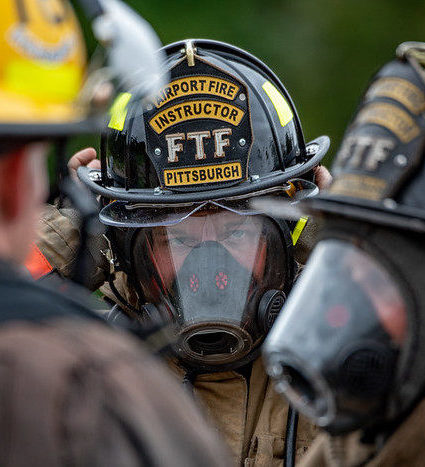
x=73, y=392
x=176, y=176
x=361, y=376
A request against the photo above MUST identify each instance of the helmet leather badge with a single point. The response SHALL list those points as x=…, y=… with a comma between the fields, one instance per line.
x=198, y=127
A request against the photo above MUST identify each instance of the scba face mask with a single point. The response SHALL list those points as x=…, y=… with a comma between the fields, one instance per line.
x=213, y=293
x=336, y=348
x=221, y=276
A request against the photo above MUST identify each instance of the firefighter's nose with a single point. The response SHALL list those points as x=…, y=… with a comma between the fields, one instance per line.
x=209, y=232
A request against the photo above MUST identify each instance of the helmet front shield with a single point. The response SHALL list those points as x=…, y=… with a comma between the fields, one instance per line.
x=135, y=215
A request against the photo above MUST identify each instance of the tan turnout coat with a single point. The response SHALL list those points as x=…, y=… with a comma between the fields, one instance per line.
x=404, y=448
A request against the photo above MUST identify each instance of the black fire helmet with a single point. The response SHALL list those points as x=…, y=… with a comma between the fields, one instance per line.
x=224, y=126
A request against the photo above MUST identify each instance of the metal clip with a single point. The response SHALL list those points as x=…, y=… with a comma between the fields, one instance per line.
x=190, y=53
x=311, y=149
x=414, y=53
x=109, y=255
x=412, y=49
x=95, y=176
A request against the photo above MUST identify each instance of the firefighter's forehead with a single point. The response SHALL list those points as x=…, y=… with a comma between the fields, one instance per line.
x=214, y=219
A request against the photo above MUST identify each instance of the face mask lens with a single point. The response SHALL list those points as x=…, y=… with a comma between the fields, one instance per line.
x=210, y=272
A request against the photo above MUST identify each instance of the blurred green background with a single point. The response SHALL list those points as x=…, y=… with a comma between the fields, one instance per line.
x=324, y=51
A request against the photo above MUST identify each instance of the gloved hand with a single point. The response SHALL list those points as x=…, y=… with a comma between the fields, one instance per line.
x=59, y=234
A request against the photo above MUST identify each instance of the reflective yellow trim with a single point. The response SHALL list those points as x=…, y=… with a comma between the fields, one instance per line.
x=119, y=111
x=390, y=117
x=298, y=229
x=283, y=110
x=59, y=84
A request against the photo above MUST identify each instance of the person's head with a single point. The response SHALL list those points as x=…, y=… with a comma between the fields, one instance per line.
x=23, y=190
x=42, y=57
x=42, y=72
x=358, y=363
x=181, y=169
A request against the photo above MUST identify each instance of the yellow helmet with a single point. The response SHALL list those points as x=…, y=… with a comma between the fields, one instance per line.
x=42, y=69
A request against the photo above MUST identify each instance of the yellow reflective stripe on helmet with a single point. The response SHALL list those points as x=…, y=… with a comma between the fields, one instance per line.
x=298, y=229
x=283, y=110
x=59, y=83
x=119, y=111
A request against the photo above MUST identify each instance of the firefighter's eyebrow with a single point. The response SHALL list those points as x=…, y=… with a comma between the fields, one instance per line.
x=240, y=224
x=177, y=231
x=233, y=225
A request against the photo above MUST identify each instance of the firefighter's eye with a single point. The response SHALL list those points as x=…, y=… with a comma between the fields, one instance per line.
x=237, y=234
x=182, y=240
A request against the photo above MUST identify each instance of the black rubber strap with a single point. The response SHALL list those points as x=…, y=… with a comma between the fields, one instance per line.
x=290, y=448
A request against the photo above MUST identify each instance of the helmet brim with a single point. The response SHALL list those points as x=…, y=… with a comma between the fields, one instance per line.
x=122, y=214
x=387, y=214
x=316, y=150
x=41, y=131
